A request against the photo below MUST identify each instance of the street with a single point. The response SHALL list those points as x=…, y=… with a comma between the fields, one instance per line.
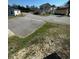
x=23, y=26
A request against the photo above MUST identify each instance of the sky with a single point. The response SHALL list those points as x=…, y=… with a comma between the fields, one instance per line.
x=37, y=2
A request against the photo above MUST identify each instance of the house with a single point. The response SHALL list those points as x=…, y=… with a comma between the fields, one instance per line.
x=46, y=8
x=52, y=10
x=61, y=10
x=13, y=11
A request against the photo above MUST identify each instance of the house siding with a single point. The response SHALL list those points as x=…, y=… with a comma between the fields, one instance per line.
x=62, y=11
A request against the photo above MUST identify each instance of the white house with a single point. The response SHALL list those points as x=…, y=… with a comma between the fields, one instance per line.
x=17, y=12
x=13, y=12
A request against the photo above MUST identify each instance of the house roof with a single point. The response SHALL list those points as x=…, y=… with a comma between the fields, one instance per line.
x=62, y=7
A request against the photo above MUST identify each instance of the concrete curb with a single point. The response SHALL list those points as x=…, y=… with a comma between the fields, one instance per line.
x=10, y=33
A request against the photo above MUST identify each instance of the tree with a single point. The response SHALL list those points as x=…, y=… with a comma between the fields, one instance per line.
x=27, y=8
x=9, y=6
x=68, y=3
x=53, y=6
x=15, y=6
x=33, y=8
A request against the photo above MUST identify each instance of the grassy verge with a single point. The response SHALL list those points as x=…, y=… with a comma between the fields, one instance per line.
x=44, y=14
x=49, y=29
x=16, y=43
x=47, y=14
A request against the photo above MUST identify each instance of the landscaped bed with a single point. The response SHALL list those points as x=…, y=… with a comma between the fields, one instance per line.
x=59, y=35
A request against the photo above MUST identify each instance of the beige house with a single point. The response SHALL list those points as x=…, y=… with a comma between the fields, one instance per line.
x=64, y=10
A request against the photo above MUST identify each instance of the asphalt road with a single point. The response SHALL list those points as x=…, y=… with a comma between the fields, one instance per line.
x=51, y=18
x=23, y=26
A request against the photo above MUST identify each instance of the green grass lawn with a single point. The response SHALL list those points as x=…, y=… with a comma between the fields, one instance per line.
x=57, y=31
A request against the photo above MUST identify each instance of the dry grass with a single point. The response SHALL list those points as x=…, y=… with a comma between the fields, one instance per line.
x=58, y=32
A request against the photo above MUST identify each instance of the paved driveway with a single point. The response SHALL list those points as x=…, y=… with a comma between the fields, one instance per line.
x=23, y=26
